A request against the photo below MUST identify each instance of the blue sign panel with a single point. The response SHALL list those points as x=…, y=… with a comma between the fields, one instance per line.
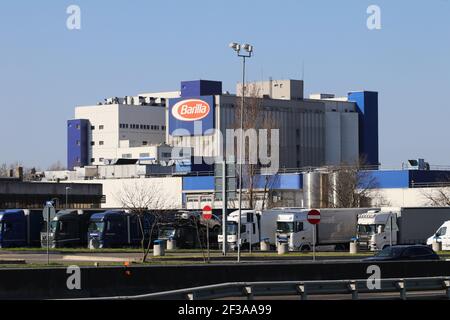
x=191, y=116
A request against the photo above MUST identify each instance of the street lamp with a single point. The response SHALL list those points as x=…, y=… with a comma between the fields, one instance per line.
x=67, y=196
x=248, y=51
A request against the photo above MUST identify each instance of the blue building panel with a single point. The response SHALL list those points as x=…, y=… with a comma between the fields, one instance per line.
x=191, y=116
x=193, y=164
x=276, y=182
x=197, y=88
x=424, y=177
x=279, y=182
x=367, y=107
x=198, y=183
x=77, y=143
x=389, y=179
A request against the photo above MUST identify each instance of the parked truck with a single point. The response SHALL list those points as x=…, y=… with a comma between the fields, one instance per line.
x=378, y=229
x=336, y=229
x=20, y=228
x=117, y=228
x=255, y=227
x=69, y=228
x=188, y=229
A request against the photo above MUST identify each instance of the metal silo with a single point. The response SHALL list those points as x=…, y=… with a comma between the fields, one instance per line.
x=316, y=189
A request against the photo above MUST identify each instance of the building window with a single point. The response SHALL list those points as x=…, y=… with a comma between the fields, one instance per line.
x=93, y=143
x=127, y=156
x=93, y=160
x=92, y=127
x=101, y=127
x=101, y=159
x=144, y=143
x=101, y=143
x=144, y=155
x=78, y=143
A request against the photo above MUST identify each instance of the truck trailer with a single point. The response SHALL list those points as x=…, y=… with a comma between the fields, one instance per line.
x=336, y=229
x=20, y=228
x=116, y=229
x=378, y=229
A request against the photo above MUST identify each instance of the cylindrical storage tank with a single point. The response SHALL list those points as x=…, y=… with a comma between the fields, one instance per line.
x=315, y=189
x=333, y=179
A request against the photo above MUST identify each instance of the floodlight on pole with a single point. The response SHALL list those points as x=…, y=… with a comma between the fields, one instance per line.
x=249, y=49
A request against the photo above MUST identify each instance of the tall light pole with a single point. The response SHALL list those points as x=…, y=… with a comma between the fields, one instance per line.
x=248, y=51
x=67, y=196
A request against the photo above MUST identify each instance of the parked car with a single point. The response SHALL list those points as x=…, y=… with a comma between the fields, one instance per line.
x=404, y=253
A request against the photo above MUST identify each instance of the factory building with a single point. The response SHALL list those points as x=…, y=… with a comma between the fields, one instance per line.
x=321, y=130
x=15, y=193
x=129, y=127
x=315, y=131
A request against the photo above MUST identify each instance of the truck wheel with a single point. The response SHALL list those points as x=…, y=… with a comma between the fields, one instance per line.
x=340, y=247
x=305, y=249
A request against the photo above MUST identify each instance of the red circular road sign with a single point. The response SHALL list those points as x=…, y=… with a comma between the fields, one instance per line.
x=314, y=216
x=207, y=213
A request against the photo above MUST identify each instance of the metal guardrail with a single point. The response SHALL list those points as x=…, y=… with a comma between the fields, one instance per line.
x=303, y=289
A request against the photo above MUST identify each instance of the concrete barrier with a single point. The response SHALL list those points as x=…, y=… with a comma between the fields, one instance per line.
x=52, y=283
x=282, y=248
x=171, y=245
x=353, y=247
x=159, y=250
x=265, y=245
x=437, y=246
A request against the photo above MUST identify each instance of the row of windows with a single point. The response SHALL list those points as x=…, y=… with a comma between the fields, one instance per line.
x=99, y=160
x=101, y=127
x=141, y=126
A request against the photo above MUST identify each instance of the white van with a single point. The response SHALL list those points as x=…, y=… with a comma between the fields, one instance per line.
x=442, y=235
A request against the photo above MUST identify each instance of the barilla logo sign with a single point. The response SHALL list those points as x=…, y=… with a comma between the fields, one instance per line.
x=191, y=110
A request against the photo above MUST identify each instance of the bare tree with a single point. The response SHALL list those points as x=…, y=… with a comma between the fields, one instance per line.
x=438, y=193
x=57, y=166
x=351, y=186
x=139, y=198
x=4, y=171
x=438, y=197
x=255, y=117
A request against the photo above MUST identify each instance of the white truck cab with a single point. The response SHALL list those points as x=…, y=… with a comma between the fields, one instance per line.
x=442, y=235
x=249, y=231
x=293, y=229
x=377, y=229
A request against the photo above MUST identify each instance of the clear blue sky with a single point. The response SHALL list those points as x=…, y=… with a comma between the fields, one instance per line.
x=127, y=47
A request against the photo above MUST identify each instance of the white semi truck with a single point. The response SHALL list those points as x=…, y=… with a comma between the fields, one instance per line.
x=255, y=227
x=378, y=229
x=336, y=229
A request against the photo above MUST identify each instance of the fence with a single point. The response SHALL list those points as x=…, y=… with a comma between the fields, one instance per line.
x=302, y=289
